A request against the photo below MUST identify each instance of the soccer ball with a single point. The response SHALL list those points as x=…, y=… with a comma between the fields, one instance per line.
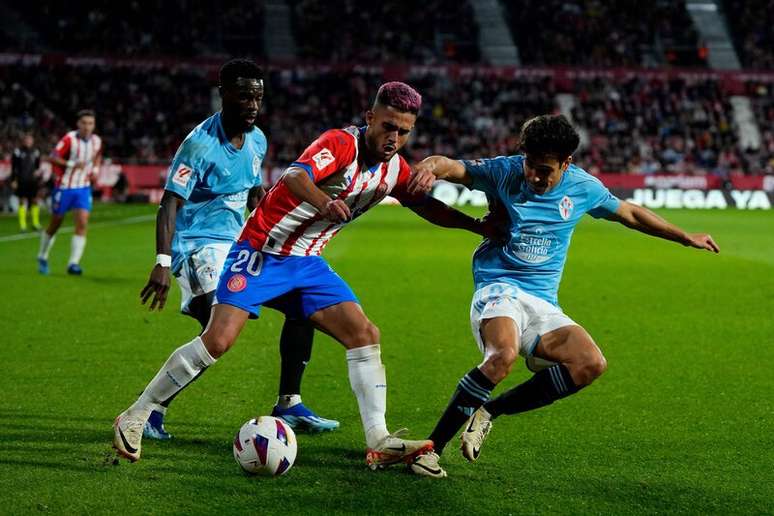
x=265, y=446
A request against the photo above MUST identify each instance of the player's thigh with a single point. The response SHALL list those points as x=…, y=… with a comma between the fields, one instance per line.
x=500, y=335
x=347, y=323
x=573, y=346
x=497, y=318
x=251, y=278
x=226, y=322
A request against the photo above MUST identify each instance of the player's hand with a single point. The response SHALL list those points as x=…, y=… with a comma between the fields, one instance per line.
x=422, y=178
x=495, y=225
x=158, y=287
x=336, y=210
x=79, y=165
x=702, y=241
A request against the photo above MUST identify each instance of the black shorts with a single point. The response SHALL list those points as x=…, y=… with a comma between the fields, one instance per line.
x=27, y=190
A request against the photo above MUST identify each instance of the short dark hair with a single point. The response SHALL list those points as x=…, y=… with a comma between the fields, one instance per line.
x=549, y=135
x=236, y=68
x=400, y=96
x=85, y=112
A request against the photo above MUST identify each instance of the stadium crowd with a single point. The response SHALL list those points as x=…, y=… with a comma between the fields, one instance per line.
x=651, y=125
x=629, y=125
x=380, y=32
x=635, y=125
x=751, y=24
x=595, y=33
x=138, y=28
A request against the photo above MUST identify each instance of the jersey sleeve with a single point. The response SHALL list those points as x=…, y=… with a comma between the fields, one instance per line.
x=400, y=191
x=62, y=149
x=332, y=151
x=601, y=202
x=185, y=171
x=492, y=175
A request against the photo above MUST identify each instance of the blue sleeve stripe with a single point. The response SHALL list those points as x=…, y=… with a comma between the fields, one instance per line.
x=306, y=167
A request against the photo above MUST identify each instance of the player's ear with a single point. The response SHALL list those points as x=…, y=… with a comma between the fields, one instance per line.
x=369, y=117
x=566, y=163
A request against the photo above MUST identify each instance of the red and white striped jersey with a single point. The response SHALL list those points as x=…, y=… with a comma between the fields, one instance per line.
x=73, y=148
x=283, y=225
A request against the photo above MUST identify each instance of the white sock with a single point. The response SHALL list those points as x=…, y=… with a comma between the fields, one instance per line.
x=179, y=370
x=46, y=241
x=288, y=400
x=77, y=244
x=369, y=383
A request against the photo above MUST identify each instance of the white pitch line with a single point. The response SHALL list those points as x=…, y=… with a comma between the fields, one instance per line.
x=69, y=229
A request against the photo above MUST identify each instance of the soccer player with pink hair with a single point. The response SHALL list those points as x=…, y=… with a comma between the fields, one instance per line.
x=276, y=262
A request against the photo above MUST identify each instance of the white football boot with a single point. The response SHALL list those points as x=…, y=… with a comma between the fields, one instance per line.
x=392, y=450
x=479, y=426
x=127, y=433
x=426, y=464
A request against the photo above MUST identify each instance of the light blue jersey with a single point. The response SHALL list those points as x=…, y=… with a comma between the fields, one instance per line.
x=214, y=178
x=541, y=225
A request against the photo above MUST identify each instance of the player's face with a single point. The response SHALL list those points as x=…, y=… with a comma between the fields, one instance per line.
x=86, y=126
x=242, y=101
x=388, y=131
x=28, y=140
x=543, y=172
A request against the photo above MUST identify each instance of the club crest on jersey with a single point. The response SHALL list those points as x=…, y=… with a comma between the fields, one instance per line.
x=323, y=158
x=237, y=283
x=565, y=207
x=182, y=175
x=256, y=165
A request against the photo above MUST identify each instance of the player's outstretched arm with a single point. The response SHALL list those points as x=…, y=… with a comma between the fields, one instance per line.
x=437, y=167
x=644, y=220
x=303, y=188
x=440, y=214
x=158, y=283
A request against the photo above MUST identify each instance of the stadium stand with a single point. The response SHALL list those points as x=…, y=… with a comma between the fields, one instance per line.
x=379, y=32
x=594, y=33
x=751, y=22
x=682, y=121
x=645, y=125
x=640, y=125
x=144, y=28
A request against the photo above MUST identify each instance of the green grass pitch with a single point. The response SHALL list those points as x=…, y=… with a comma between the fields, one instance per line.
x=683, y=421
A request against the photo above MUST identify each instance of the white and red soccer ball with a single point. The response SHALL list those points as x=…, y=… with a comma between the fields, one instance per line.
x=265, y=446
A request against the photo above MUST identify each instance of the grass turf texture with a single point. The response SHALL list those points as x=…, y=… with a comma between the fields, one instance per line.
x=681, y=422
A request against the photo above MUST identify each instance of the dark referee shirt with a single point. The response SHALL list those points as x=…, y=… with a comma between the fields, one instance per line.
x=24, y=163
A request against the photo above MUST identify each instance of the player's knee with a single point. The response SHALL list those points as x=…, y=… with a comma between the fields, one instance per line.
x=217, y=343
x=591, y=368
x=498, y=364
x=361, y=334
x=364, y=334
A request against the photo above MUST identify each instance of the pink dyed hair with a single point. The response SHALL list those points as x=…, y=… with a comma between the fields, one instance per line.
x=400, y=96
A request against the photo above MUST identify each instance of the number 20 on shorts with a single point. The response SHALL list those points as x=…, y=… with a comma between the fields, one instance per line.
x=254, y=261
